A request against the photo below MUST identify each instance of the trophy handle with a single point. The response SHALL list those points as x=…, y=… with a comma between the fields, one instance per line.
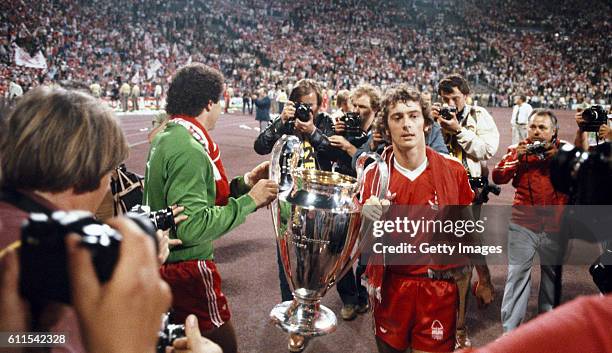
x=383, y=185
x=285, y=157
x=383, y=172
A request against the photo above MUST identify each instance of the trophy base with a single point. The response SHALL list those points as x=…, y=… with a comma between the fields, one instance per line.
x=307, y=318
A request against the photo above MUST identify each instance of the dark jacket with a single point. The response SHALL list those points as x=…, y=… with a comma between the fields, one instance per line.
x=262, y=111
x=318, y=140
x=344, y=162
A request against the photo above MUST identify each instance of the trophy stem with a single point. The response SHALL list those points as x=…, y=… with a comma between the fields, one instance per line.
x=306, y=317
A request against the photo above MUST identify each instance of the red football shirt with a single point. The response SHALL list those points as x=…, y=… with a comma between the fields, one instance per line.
x=416, y=187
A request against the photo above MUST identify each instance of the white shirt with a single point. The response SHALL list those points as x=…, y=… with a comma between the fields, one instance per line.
x=478, y=138
x=15, y=90
x=520, y=114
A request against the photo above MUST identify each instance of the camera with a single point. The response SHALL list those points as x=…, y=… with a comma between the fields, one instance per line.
x=353, y=124
x=162, y=219
x=302, y=112
x=485, y=187
x=168, y=333
x=537, y=148
x=601, y=271
x=584, y=175
x=446, y=111
x=593, y=117
x=43, y=260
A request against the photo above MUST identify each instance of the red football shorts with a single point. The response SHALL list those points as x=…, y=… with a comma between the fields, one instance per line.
x=196, y=289
x=417, y=312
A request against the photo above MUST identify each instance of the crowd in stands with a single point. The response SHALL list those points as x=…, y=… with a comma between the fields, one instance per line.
x=555, y=53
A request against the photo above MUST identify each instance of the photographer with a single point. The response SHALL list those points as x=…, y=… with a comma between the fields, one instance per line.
x=310, y=125
x=57, y=152
x=343, y=104
x=472, y=137
x=184, y=167
x=352, y=130
x=469, y=131
x=313, y=128
x=593, y=128
x=528, y=167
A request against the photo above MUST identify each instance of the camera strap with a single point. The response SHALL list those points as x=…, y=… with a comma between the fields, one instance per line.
x=23, y=202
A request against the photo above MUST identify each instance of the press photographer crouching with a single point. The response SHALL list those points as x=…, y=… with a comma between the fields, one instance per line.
x=532, y=229
x=63, y=271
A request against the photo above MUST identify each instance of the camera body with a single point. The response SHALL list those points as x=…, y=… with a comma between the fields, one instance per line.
x=168, y=333
x=601, y=271
x=446, y=111
x=485, y=187
x=162, y=219
x=302, y=112
x=584, y=175
x=352, y=121
x=43, y=258
x=593, y=117
x=537, y=148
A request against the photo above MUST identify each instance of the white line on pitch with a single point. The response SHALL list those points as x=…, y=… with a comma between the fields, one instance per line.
x=138, y=143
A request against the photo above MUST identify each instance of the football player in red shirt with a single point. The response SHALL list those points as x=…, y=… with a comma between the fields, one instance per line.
x=414, y=304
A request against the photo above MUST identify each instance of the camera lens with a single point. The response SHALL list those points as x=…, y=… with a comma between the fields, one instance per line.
x=302, y=112
x=163, y=219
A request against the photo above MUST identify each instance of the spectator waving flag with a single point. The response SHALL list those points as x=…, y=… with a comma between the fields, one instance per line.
x=22, y=58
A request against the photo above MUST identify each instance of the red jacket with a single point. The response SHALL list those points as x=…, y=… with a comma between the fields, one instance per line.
x=582, y=325
x=531, y=178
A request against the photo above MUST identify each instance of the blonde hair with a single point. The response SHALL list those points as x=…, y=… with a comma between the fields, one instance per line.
x=342, y=97
x=370, y=91
x=56, y=139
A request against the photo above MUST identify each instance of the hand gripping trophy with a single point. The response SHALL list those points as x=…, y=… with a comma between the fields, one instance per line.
x=319, y=231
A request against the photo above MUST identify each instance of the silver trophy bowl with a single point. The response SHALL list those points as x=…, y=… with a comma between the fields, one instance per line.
x=319, y=232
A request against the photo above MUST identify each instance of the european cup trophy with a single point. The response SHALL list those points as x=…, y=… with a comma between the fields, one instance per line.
x=319, y=232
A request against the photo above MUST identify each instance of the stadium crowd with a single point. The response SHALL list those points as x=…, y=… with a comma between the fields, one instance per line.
x=60, y=149
x=561, y=57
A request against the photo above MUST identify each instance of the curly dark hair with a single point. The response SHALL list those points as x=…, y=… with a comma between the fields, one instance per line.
x=402, y=94
x=455, y=80
x=192, y=88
